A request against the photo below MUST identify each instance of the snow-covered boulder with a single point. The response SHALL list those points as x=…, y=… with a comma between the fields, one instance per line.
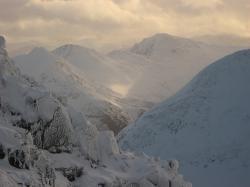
x=106, y=145
x=85, y=134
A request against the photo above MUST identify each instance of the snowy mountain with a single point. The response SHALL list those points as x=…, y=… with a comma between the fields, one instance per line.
x=93, y=65
x=169, y=63
x=70, y=73
x=205, y=125
x=46, y=143
x=114, y=89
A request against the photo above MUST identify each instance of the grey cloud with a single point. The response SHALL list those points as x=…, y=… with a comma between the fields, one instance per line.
x=120, y=21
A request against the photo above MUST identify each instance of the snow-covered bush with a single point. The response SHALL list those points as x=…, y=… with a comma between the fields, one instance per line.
x=53, y=129
x=46, y=172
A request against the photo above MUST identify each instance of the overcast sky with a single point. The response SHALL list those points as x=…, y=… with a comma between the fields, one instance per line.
x=119, y=22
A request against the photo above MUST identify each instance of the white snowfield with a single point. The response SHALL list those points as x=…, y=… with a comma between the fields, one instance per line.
x=45, y=143
x=206, y=125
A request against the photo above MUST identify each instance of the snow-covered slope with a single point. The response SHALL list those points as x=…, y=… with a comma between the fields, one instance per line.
x=205, y=125
x=74, y=80
x=169, y=63
x=93, y=65
x=43, y=143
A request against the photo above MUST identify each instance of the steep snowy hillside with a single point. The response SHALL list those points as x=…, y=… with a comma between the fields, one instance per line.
x=93, y=65
x=43, y=143
x=69, y=82
x=205, y=125
x=171, y=62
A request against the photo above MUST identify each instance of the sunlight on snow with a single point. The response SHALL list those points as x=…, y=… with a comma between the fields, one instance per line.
x=120, y=89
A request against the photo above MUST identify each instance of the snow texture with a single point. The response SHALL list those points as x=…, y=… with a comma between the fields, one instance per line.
x=163, y=64
x=69, y=73
x=205, y=125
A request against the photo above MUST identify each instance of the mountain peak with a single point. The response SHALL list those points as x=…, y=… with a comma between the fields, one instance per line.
x=39, y=50
x=69, y=48
x=164, y=45
x=164, y=36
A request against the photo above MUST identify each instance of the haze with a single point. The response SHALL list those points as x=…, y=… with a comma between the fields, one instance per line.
x=109, y=24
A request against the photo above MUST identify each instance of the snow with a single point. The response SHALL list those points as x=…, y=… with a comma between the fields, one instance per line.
x=205, y=125
x=29, y=114
x=163, y=64
x=6, y=181
x=113, y=90
x=66, y=75
x=53, y=108
x=107, y=145
x=92, y=64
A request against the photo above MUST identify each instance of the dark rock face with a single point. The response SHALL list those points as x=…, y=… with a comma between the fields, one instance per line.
x=71, y=173
x=101, y=185
x=23, y=124
x=2, y=153
x=17, y=159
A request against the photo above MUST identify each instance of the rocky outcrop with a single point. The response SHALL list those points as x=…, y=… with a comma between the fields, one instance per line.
x=17, y=159
x=71, y=173
x=2, y=42
x=2, y=151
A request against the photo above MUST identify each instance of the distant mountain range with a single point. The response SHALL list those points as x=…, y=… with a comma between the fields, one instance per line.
x=169, y=63
x=114, y=89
